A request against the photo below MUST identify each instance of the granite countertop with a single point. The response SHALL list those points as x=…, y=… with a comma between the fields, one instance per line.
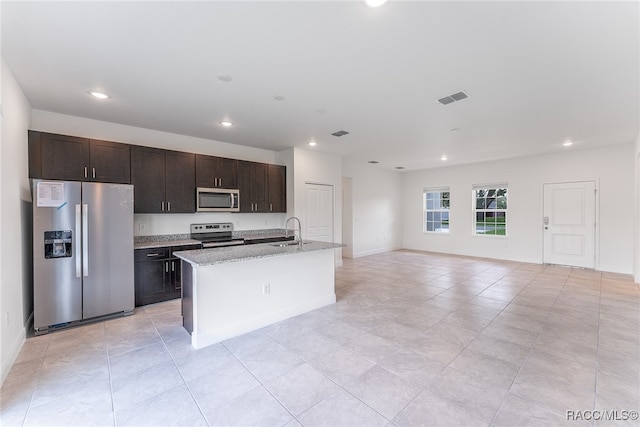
x=203, y=257
x=166, y=240
x=163, y=241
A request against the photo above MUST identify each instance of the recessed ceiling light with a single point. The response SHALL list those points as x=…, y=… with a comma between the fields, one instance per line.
x=278, y=97
x=456, y=129
x=225, y=78
x=99, y=95
x=444, y=157
x=399, y=167
x=226, y=123
x=567, y=143
x=375, y=3
x=312, y=143
x=373, y=162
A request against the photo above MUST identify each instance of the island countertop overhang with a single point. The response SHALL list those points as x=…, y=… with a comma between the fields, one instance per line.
x=211, y=256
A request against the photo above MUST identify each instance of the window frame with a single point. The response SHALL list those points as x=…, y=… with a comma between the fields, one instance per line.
x=495, y=212
x=426, y=211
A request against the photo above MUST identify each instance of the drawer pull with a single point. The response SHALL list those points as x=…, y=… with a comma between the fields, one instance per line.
x=152, y=255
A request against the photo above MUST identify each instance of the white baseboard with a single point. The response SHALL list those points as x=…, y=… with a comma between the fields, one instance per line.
x=374, y=251
x=221, y=334
x=15, y=348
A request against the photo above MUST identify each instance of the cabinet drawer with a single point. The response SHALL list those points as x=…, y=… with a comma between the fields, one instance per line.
x=143, y=255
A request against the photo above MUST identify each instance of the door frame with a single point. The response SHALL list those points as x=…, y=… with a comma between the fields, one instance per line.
x=596, y=181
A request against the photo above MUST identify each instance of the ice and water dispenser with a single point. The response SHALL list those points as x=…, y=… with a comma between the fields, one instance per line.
x=57, y=244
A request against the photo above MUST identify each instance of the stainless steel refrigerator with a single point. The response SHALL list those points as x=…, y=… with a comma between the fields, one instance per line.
x=82, y=252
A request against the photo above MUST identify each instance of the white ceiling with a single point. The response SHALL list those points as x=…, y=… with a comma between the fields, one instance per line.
x=537, y=73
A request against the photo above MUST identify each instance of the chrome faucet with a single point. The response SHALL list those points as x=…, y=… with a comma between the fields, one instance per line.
x=286, y=230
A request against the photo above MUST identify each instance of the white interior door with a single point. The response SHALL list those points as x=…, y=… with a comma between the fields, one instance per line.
x=318, y=222
x=570, y=224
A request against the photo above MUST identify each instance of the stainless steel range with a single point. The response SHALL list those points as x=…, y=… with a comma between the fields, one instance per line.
x=215, y=235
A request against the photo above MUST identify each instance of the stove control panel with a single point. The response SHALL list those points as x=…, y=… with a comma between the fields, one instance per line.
x=213, y=227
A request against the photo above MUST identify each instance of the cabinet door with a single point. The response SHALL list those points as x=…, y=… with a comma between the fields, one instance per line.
x=175, y=284
x=110, y=162
x=180, y=182
x=206, y=171
x=244, y=184
x=64, y=157
x=259, y=186
x=227, y=172
x=35, y=154
x=151, y=281
x=148, y=178
x=252, y=181
x=277, y=188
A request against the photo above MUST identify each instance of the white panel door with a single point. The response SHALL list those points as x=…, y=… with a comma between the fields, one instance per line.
x=570, y=224
x=318, y=222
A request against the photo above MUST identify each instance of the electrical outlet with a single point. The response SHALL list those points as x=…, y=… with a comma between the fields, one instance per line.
x=266, y=289
x=7, y=319
x=141, y=226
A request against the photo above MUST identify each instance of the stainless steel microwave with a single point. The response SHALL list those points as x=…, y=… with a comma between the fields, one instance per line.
x=217, y=200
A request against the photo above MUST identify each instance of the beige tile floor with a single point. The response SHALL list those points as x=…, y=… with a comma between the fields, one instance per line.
x=415, y=339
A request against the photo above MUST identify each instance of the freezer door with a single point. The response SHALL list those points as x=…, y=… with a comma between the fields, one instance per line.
x=57, y=270
x=107, y=211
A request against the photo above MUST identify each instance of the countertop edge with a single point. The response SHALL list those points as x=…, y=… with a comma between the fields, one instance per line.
x=213, y=256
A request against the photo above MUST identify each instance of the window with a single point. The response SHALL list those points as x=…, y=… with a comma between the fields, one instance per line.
x=490, y=209
x=436, y=210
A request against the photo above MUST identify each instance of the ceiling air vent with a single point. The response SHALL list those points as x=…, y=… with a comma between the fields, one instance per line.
x=452, y=98
x=340, y=133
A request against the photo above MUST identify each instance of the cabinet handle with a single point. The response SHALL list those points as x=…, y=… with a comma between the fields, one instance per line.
x=152, y=255
x=271, y=207
x=220, y=182
x=85, y=172
x=168, y=206
x=94, y=173
x=166, y=267
x=162, y=208
x=173, y=266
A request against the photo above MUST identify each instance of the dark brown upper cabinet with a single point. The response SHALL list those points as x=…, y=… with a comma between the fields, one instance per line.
x=216, y=172
x=71, y=158
x=253, y=181
x=277, y=188
x=164, y=181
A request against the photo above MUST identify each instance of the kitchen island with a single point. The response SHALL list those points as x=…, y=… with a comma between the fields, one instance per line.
x=230, y=291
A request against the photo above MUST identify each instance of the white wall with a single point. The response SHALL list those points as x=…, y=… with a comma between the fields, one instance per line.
x=347, y=217
x=319, y=168
x=612, y=168
x=15, y=221
x=165, y=223
x=637, y=212
x=376, y=205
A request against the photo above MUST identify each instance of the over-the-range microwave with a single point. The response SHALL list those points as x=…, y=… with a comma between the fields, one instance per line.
x=217, y=200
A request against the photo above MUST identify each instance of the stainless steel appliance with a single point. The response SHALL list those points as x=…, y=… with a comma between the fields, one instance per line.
x=217, y=200
x=82, y=252
x=215, y=235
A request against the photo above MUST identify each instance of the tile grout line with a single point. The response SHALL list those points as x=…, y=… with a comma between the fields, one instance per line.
x=530, y=346
x=173, y=360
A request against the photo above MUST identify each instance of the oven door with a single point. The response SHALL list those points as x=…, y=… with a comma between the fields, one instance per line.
x=217, y=200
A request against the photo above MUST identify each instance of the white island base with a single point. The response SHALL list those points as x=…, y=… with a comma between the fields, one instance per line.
x=228, y=299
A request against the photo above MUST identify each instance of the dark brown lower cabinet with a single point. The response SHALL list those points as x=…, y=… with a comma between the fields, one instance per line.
x=158, y=274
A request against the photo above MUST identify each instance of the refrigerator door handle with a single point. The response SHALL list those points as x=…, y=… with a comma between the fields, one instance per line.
x=85, y=240
x=78, y=242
